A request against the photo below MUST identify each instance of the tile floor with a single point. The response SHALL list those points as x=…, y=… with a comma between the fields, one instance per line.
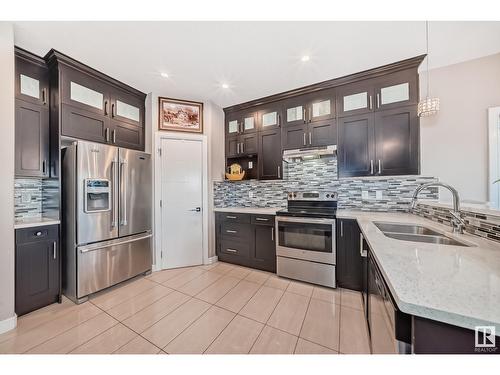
x=218, y=308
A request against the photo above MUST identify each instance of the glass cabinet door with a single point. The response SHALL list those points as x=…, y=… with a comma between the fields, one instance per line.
x=233, y=127
x=127, y=111
x=87, y=96
x=295, y=114
x=29, y=86
x=321, y=110
x=269, y=120
x=355, y=101
x=396, y=90
x=248, y=123
x=356, y=98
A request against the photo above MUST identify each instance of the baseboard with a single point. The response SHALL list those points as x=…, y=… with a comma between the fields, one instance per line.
x=212, y=260
x=155, y=268
x=8, y=324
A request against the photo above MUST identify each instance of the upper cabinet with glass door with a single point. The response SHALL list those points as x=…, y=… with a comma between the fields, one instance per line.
x=32, y=78
x=241, y=122
x=270, y=117
x=396, y=90
x=309, y=108
x=355, y=98
x=127, y=108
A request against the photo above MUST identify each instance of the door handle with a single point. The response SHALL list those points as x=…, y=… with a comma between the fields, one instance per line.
x=370, y=103
x=279, y=121
x=304, y=115
x=113, y=110
x=341, y=229
x=232, y=250
x=114, y=171
x=106, y=134
x=44, y=166
x=379, y=167
x=54, y=250
x=371, y=166
x=44, y=99
x=231, y=217
x=310, y=115
x=279, y=171
x=310, y=138
x=272, y=233
x=242, y=144
x=378, y=100
x=304, y=138
x=238, y=148
x=231, y=231
x=123, y=187
x=197, y=209
x=114, y=136
x=105, y=108
x=362, y=251
x=261, y=219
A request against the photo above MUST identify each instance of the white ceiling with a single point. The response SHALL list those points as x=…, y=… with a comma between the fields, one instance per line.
x=255, y=58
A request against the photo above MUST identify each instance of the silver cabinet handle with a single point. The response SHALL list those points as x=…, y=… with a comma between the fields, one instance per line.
x=44, y=166
x=38, y=234
x=113, y=110
x=123, y=198
x=304, y=139
x=232, y=250
x=379, y=167
x=279, y=171
x=371, y=166
x=279, y=121
x=371, y=102
x=114, y=180
x=231, y=231
x=238, y=148
x=310, y=115
x=105, y=108
x=261, y=219
x=341, y=229
x=231, y=217
x=304, y=115
x=54, y=250
x=378, y=100
x=272, y=233
x=310, y=138
x=114, y=136
x=242, y=144
x=362, y=251
x=44, y=96
x=106, y=134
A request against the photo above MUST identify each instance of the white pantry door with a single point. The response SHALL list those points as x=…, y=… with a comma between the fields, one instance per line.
x=182, y=196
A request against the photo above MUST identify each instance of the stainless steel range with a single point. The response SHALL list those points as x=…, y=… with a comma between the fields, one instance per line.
x=305, y=246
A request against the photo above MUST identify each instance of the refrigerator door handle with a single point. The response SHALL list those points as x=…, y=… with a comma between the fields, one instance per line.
x=102, y=245
x=123, y=190
x=114, y=184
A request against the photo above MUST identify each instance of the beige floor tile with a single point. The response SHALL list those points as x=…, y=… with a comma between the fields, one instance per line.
x=120, y=293
x=201, y=282
x=135, y=304
x=277, y=282
x=353, y=332
x=185, y=277
x=262, y=304
x=218, y=289
x=168, y=328
x=351, y=298
x=199, y=335
x=322, y=324
x=38, y=317
x=307, y=347
x=298, y=287
x=289, y=314
x=237, y=338
x=274, y=341
x=139, y=345
x=239, y=272
x=327, y=294
x=164, y=275
x=156, y=311
x=237, y=297
x=34, y=337
x=223, y=268
x=208, y=267
x=258, y=277
x=71, y=339
x=108, y=341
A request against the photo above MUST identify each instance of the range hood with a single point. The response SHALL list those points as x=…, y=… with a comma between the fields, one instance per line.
x=309, y=153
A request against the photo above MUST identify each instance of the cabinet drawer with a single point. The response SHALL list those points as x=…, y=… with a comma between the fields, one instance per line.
x=238, y=231
x=235, y=217
x=263, y=219
x=49, y=232
x=235, y=248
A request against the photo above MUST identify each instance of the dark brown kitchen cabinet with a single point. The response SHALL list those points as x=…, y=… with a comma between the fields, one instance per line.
x=241, y=122
x=32, y=78
x=270, y=157
x=269, y=117
x=295, y=136
x=356, y=98
x=245, y=239
x=349, y=265
x=37, y=268
x=32, y=149
x=397, y=141
x=94, y=106
x=242, y=145
x=356, y=146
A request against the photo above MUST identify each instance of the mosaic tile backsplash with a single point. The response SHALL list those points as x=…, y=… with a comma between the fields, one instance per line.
x=35, y=197
x=381, y=193
x=479, y=224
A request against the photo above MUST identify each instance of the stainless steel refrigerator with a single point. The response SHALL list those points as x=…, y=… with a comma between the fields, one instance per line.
x=107, y=209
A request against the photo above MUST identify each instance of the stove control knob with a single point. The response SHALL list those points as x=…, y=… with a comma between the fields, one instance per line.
x=289, y=195
x=294, y=195
x=328, y=195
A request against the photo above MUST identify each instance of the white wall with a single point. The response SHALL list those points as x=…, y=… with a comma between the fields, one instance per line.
x=7, y=315
x=213, y=125
x=454, y=143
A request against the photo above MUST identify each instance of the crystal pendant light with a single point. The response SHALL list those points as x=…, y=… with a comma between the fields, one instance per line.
x=428, y=106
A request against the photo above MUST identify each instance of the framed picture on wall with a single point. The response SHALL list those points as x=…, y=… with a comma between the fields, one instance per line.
x=180, y=115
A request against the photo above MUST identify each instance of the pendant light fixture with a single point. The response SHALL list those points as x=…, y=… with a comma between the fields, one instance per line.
x=428, y=106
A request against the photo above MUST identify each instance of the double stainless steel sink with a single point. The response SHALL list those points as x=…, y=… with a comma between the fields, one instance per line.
x=417, y=233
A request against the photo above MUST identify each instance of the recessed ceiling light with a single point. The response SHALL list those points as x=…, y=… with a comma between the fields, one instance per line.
x=305, y=58
x=225, y=86
x=164, y=75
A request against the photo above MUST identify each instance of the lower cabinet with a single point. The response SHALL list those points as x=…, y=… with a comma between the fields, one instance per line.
x=350, y=265
x=37, y=268
x=247, y=240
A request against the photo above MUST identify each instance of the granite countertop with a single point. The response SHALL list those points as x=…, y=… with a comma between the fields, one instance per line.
x=452, y=284
x=250, y=210
x=35, y=222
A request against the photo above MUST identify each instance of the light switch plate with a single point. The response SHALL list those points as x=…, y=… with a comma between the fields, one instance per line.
x=250, y=164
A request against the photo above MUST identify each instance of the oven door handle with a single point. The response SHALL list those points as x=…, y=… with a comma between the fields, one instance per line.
x=291, y=219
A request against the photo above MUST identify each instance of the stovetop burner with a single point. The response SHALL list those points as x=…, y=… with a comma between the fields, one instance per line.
x=310, y=204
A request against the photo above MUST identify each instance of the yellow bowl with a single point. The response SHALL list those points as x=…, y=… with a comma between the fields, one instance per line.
x=235, y=176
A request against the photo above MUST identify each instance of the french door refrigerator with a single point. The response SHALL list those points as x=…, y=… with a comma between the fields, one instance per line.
x=107, y=208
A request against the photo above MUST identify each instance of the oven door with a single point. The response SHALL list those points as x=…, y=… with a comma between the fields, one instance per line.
x=306, y=238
